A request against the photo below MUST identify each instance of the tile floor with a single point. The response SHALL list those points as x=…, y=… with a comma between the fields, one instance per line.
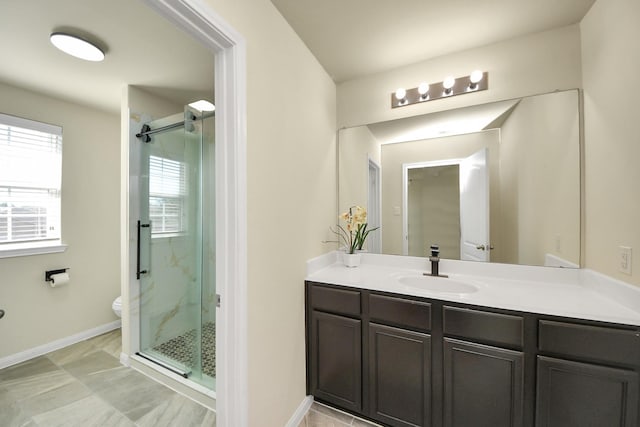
x=323, y=416
x=85, y=385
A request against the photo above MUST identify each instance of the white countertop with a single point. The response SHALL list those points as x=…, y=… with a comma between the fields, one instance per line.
x=575, y=293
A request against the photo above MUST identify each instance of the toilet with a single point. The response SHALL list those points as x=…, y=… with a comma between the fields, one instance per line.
x=117, y=306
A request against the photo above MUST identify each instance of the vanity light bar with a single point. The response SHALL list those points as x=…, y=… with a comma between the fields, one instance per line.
x=450, y=86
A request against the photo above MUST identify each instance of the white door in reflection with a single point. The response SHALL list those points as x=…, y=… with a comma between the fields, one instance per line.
x=474, y=207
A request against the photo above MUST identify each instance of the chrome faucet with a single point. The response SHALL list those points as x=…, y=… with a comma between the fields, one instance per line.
x=435, y=262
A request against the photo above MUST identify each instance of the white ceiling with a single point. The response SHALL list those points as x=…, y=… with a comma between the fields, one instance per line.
x=142, y=49
x=350, y=38
x=354, y=38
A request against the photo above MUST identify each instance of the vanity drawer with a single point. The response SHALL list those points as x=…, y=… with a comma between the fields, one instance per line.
x=400, y=312
x=589, y=342
x=333, y=300
x=482, y=326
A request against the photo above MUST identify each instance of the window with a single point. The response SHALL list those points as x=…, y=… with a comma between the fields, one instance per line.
x=167, y=195
x=30, y=182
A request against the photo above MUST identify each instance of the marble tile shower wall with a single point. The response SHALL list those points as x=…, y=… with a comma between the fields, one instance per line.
x=85, y=385
x=170, y=299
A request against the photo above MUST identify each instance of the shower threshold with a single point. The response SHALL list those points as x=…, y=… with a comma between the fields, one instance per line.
x=182, y=372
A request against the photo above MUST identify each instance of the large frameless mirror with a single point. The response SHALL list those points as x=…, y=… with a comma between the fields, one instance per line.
x=497, y=182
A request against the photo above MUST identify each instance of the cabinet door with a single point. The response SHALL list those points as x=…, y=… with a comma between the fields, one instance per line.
x=572, y=394
x=400, y=376
x=336, y=360
x=483, y=385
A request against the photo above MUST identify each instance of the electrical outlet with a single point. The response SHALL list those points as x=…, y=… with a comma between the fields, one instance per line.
x=624, y=259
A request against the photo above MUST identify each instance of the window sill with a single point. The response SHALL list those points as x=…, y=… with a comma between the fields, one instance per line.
x=167, y=235
x=26, y=249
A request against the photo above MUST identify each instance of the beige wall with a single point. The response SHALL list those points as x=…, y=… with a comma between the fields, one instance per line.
x=540, y=180
x=523, y=66
x=452, y=147
x=35, y=313
x=610, y=64
x=356, y=146
x=140, y=101
x=291, y=168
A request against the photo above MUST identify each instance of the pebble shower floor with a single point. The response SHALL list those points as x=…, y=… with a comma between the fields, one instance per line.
x=182, y=348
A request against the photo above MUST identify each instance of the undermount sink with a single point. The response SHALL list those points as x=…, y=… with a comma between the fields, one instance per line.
x=437, y=284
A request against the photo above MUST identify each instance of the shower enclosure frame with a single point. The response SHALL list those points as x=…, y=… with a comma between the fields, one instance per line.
x=176, y=301
x=229, y=48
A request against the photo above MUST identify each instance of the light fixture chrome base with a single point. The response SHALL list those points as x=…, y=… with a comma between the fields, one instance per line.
x=461, y=86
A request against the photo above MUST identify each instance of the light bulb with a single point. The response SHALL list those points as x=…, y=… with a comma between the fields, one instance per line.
x=448, y=82
x=423, y=89
x=476, y=76
x=401, y=93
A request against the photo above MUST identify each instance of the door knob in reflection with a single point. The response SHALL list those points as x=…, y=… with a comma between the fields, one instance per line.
x=483, y=247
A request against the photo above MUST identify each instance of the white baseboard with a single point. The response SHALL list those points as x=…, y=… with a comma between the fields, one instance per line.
x=302, y=410
x=57, y=344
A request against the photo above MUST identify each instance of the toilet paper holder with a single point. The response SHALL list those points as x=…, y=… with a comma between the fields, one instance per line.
x=49, y=273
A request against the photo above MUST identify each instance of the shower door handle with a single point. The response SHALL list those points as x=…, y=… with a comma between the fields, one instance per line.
x=138, y=271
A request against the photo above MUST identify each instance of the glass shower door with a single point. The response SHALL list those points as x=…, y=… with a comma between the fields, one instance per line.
x=170, y=234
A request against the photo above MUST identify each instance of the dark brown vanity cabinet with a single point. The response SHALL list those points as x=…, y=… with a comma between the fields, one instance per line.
x=335, y=347
x=370, y=354
x=399, y=368
x=408, y=361
x=399, y=376
x=587, y=376
x=483, y=384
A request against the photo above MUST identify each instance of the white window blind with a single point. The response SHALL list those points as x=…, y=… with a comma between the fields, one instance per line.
x=30, y=180
x=167, y=194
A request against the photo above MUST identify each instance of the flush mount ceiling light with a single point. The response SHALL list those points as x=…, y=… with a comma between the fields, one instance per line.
x=450, y=86
x=75, y=46
x=202, y=105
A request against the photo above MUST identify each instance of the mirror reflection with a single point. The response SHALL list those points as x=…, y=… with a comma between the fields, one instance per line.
x=498, y=182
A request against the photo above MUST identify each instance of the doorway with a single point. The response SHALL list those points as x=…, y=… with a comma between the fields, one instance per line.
x=229, y=48
x=446, y=203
